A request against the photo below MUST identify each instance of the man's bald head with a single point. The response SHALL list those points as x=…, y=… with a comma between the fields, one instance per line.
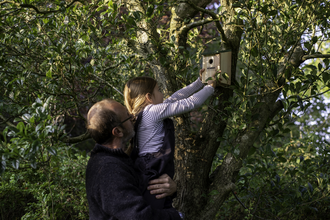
x=101, y=119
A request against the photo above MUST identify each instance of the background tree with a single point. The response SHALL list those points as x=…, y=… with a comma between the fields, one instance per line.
x=60, y=57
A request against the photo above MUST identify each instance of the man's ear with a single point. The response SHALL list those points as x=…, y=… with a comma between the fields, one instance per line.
x=117, y=132
x=148, y=98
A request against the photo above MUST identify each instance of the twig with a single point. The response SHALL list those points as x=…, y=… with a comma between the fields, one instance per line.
x=312, y=56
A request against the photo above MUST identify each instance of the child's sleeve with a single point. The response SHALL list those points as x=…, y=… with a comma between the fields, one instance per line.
x=186, y=91
x=169, y=109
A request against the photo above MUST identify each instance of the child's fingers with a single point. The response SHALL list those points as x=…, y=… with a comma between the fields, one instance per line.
x=201, y=72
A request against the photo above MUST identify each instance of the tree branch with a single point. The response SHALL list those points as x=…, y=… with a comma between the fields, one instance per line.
x=312, y=56
x=186, y=28
x=309, y=97
x=36, y=9
x=278, y=106
x=99, y=78
x=4, y=2
x=7, y=121
x=73, y=140
x=9, y=13
x=215, y=17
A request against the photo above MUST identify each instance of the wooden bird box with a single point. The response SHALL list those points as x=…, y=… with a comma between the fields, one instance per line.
x=219, y=61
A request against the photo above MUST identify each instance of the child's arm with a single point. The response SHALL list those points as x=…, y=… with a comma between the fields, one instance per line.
x=168, y=109
x=186, y=91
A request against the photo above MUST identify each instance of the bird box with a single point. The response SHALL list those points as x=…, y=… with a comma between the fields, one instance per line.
x=218, y=61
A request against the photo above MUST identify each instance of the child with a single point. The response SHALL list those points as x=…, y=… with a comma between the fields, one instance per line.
x=154, y=135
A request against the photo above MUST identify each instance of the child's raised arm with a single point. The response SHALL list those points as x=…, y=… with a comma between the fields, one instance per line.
x=187, y=91
x=186, y=102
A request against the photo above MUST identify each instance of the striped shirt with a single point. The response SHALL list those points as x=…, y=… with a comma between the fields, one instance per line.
x=151, y=130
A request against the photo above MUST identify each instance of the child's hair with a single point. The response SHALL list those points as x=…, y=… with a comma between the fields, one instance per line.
x=135, y=93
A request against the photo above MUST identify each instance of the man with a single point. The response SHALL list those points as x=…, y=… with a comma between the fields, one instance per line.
x=113, y=184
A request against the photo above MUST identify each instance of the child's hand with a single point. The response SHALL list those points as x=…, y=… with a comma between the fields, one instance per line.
x=214, y=80
x=201, y=74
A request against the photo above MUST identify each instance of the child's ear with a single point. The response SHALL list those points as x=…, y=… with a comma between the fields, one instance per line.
x=117, y=132
x=148, y=98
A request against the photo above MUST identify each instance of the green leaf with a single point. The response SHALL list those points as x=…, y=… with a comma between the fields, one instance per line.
x=110, y=4
x=131, y=21
x=314, y=39
x=282, y=159
x=286, y=130
x=4, y=134
x=49, y=74
x=92, y=62
x=326, y=62
x=311, y=189
x=136, y=15
x=150, y=10
x=278, y=178
x=275, y=132
x=325, y=77
x=254, y=51
x=32, y=119
x=39, y=126
x=20, y=126
x=33, y=165
x=173, y=38
x=52, y=151
x=17, y=119
x=313, y=208
x=35, y=145
x=115, y=6
x=15, y=164
x=312, y=67
x=300, y=103
x=272, y=13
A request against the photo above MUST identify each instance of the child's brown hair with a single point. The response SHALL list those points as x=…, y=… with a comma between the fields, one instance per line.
x=135, y=93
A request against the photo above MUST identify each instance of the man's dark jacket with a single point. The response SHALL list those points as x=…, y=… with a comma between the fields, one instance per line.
x=114, y=189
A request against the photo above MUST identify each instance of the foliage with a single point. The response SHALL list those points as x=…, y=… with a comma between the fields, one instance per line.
x=57, y=58
x=287, y=174
x=55, y=190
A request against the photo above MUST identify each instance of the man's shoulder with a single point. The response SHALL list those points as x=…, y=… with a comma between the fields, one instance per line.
x=105, y=158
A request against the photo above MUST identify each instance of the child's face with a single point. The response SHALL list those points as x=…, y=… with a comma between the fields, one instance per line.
x=157, y=96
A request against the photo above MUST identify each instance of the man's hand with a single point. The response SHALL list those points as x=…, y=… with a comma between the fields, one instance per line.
x=163, y=186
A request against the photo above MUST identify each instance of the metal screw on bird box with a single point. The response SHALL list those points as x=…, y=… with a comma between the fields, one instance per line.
x=215, y=62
